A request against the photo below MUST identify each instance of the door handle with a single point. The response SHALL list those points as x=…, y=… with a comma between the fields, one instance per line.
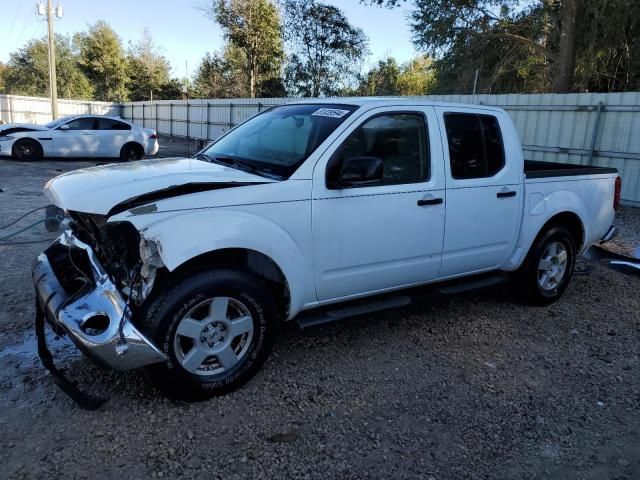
x=429, y=201
x=87, y=134
x=511, y=193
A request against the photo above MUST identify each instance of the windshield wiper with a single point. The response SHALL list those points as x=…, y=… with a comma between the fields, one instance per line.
x=238, y=163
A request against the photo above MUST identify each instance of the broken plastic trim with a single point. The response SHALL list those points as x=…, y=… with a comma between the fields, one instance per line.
x=170, y=192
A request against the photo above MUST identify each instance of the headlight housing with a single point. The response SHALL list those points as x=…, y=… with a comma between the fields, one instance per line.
x=5, y=138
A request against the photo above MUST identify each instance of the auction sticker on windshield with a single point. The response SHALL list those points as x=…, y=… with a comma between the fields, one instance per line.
x=330, y=112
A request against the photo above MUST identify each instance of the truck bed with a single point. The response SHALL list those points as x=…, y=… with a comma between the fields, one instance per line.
x=538, y=169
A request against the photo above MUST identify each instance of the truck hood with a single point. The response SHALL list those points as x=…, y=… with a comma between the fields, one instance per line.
x=102, y=189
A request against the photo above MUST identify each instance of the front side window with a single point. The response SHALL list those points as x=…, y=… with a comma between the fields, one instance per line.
x=399, y=140
x=85, y=123
x=475, y=145
x=279, y=140
x=110, y=124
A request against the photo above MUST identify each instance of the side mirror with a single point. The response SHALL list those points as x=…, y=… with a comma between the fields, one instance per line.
x=64, y=127
x=355, y=172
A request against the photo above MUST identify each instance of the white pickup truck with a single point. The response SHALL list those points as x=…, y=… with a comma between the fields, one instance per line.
x=310, y=211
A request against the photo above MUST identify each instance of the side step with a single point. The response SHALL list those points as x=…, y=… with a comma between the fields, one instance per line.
x=321, y=316
x=473, y=284
x=315, y=318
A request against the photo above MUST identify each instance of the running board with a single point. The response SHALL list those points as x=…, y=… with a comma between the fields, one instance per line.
x=315, y=318
x=321, y=316
x=474, y=284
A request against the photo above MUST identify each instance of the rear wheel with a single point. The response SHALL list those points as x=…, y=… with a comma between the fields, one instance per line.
x=216, y=329
x=27, y=150
x=131, y=152
x=548, y=268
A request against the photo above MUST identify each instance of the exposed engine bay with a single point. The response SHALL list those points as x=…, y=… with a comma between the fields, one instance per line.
x=129, y=259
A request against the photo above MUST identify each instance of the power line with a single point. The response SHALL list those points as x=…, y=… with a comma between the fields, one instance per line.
x=25, y=28
x=14, y=22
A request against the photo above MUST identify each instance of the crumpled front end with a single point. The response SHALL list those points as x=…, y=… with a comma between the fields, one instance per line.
x=79, y=299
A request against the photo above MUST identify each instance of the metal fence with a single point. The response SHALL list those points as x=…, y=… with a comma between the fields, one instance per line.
x=592, y=128
x=18, y=109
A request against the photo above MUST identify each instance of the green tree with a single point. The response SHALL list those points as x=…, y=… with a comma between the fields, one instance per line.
x=27, y=72
x=544, y=28
x=3, y=74
x=103, y=60
x=382, y=79
x=222, y=75
x=254, y=28
x=326, y=49
x=417, y=77
x=148, y=69
x=413, y=78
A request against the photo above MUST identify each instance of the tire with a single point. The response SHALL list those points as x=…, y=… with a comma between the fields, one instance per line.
x=201, y=351
x=131, y=152
x=544, y=276
x=27, y=150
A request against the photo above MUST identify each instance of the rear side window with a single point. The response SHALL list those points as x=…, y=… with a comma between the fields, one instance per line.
x=475, y=145
x=109, y=124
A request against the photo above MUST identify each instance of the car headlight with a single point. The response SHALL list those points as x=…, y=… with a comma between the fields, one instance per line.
x=5, y=138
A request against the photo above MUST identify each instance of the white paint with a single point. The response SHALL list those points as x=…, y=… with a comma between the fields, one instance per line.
x=334, y=245
x=61, y=142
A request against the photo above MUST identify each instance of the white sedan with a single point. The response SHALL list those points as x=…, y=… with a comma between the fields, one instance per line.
x=78, y=136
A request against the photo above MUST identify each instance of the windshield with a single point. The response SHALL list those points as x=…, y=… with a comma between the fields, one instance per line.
x=279, y=140
x=57, y=122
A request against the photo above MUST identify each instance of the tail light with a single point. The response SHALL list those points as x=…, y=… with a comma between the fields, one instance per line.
x=616, y=195
x=153, y=136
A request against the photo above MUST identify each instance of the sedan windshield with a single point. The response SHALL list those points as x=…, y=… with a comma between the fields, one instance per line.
x=278, y=141
x=57, y=122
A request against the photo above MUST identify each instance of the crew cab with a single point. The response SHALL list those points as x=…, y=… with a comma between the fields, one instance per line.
x=309, y=211
x=78, y=136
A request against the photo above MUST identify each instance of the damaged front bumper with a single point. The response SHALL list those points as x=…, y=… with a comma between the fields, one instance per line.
x=96, y=317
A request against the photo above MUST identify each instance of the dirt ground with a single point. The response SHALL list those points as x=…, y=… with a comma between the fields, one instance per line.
x=474, y=386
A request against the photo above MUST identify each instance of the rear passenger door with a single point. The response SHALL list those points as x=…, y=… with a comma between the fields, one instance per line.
x=484, y=191
x=110, y=136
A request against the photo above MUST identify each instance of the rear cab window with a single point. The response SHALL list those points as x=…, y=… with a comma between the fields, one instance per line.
x=476, y=148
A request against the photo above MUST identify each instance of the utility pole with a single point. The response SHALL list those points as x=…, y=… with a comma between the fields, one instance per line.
x=53, y=83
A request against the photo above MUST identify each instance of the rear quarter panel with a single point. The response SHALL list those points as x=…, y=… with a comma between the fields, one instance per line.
x=590, y=197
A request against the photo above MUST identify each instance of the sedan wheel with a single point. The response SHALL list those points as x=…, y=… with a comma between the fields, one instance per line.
x=27, y=150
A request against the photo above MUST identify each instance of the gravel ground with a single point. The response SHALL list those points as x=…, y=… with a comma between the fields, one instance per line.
x=474, y=386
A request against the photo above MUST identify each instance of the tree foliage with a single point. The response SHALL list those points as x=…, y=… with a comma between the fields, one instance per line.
x=528, y=45
x=414, y=78
x=27, y=72
x=103, y=60
x=222, y=75
x=326, y=49
x=254, y=28
x=149, y=70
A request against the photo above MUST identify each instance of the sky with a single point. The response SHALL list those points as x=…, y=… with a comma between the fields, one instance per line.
x=180, y=28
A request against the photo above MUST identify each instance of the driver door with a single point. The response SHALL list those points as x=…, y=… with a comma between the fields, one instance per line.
x=382, y=236
x=74, y=138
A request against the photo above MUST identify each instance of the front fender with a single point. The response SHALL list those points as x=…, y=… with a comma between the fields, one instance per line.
x=189, y=234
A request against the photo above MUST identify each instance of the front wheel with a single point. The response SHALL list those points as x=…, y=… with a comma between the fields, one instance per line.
x=216, y=329
x=548, y=268
x=27, y=150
